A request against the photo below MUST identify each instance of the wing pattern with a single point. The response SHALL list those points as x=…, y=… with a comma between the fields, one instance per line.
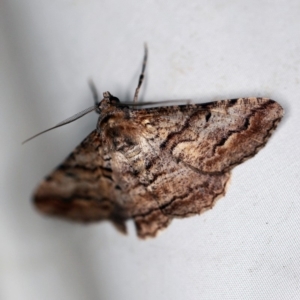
x=153, y=165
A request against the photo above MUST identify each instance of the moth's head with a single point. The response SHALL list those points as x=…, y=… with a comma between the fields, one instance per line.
x=108, y=102
x=109, y=107
x=106, y=106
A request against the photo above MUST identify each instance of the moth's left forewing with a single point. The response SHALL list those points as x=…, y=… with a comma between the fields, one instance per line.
x=197, y=146
x=166, y=187
x=219, y=135
x=236, y=131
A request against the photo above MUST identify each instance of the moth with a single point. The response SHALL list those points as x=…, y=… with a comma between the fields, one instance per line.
x=155, y=164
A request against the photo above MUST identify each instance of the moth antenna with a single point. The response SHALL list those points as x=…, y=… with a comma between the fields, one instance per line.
x=67, y=121
x=94, y=92
x=185, y=101
x=136, y=94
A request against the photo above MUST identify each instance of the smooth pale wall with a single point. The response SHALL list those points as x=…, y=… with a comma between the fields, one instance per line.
x=247, y=246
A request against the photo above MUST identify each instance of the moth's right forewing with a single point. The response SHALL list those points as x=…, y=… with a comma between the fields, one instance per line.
x=82, y=187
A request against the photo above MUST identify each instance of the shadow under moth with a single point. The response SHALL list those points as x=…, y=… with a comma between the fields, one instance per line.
x=155, y=164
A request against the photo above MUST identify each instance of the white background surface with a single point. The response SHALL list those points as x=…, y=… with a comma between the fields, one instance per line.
x=247, y=247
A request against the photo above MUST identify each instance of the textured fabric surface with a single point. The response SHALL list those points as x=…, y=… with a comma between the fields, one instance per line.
x=247, y=246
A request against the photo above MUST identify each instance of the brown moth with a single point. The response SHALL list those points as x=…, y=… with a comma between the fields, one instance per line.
x=152, y=165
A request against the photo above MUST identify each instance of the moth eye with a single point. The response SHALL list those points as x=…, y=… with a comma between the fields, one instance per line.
x=114, y=100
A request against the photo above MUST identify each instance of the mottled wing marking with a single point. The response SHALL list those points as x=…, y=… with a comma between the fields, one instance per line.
x=181, y=156
x=82, y=187
x=217, y=136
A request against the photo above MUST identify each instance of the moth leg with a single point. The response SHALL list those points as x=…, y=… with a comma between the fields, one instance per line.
x=148, y=225
x=119, y=225
x=136, y=94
